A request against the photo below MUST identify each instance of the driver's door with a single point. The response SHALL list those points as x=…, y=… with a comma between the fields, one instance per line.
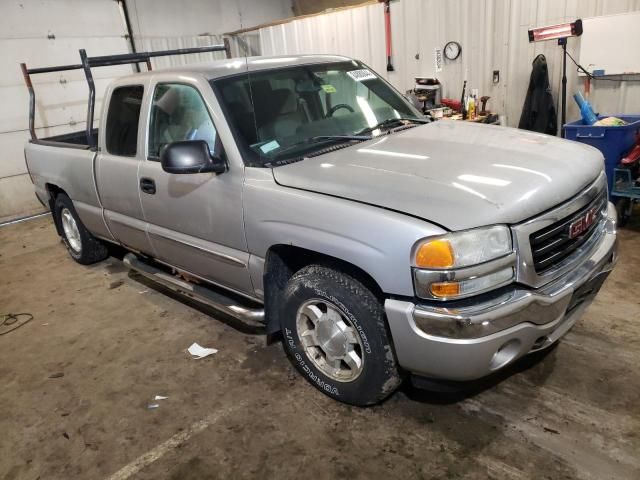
x=195, y=221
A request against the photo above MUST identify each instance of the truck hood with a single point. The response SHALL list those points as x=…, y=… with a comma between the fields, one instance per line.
x=457, y=174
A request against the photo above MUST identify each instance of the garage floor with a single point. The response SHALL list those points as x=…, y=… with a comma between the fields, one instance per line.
x=77, y=379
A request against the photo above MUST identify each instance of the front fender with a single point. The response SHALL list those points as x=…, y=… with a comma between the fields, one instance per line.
x=373, y=239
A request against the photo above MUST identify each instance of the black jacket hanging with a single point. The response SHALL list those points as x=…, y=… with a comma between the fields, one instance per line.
x=539, y=112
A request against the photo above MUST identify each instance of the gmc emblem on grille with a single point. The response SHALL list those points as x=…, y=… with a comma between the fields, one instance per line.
x=582, y=224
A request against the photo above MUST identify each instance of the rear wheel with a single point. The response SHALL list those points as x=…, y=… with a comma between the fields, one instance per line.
x=83, y=247
x=336, y=336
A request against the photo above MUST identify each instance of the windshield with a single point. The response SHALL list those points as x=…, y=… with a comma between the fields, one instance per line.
x=287, y=113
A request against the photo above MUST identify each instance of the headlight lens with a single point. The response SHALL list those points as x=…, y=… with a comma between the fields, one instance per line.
x=462, y=249
x=461, y=264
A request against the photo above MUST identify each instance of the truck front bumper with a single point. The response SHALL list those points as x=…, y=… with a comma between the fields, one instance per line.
x=485, y=337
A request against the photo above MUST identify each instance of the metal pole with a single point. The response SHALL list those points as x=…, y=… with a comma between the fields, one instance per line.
x=108, y=60
x=227, y=47
x=563, y=42
x=92, y=96
x=387, y=34
x=127, y=23
x=32, y=100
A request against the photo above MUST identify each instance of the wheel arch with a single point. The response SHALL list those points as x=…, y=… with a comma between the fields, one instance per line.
x=53, y=192
x=282, y=261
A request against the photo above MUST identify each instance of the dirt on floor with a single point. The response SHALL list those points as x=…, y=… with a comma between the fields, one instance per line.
x=78, y=379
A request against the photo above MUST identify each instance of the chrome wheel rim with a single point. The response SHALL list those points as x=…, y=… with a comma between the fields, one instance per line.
x=71, y=231
x=330, y=340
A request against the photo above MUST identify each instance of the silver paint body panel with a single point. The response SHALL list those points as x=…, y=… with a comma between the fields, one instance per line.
x=195, y=222
x=458, y=174
x=376, y=240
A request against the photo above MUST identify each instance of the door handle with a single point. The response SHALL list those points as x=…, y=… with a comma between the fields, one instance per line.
x=148, y=185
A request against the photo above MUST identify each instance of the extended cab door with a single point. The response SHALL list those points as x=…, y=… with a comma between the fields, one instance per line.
x=117, y=165
x=195, y=221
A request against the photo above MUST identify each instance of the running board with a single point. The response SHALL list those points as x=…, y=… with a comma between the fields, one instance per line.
x=199, y=293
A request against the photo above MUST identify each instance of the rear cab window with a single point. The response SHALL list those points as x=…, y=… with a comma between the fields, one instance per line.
x=123, y=118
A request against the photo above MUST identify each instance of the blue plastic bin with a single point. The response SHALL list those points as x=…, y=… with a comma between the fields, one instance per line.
x=613, y=142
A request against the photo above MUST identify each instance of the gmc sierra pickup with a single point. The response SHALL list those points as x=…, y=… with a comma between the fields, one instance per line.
x=306, y=193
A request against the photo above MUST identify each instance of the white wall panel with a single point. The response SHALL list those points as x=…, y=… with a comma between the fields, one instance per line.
x=50, y=32
x=56, y=104
x=170, y=18
x=26, y=19
x=43, y=33
x=163, y=24
x=493, y=35
x=12, y=147
x=17, y=198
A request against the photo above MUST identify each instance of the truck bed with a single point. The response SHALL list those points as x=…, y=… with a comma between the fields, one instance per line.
x=69, y=140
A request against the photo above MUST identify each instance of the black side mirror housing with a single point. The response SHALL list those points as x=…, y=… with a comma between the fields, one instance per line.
x=191, y=156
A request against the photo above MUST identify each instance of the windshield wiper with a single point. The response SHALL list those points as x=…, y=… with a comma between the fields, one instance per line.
x=320, y=138
x=357, y=138
x=389, y=122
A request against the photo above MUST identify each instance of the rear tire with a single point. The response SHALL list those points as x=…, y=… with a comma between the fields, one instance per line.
x=83, y=247
x=336, y=336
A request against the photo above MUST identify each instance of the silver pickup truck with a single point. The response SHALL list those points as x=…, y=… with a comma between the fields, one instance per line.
x=306, y=193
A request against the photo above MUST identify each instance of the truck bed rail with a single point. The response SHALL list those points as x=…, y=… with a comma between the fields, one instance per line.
x=103, y=61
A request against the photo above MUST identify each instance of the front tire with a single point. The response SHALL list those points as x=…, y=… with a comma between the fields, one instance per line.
x=83, y=247
x=336, y=336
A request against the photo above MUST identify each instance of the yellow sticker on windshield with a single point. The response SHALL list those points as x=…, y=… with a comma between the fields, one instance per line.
x=329, y=88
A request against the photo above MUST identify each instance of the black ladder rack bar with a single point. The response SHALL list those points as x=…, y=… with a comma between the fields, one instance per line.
x=104, y=61
x=107, y=60
x=60, y=68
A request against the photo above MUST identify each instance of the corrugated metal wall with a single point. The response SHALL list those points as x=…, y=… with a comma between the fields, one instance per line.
x=165, y=24
x=42, y=33
x=493, y=35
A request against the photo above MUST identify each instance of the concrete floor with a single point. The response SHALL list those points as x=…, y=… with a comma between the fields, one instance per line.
x=244, y=412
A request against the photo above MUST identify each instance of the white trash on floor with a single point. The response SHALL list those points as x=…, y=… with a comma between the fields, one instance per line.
x=198, y=351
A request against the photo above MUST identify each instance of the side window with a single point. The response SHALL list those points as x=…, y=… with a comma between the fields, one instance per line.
x=178, y=113
x=122, y=120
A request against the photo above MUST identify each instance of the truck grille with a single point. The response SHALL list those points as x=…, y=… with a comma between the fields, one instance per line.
x=551, y=245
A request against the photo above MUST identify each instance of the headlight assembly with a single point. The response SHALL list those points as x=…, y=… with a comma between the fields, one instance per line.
x=461, y=249
x=461, y=264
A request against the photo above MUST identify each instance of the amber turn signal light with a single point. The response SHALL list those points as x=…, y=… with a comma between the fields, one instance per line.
x=435, y=254
x=445, y=289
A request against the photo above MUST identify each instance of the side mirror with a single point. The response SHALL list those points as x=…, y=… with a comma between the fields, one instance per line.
x=191, y=156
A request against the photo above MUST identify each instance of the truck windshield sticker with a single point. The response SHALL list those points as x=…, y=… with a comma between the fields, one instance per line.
x=267, y=147
x=329, y=88
x=361, y=75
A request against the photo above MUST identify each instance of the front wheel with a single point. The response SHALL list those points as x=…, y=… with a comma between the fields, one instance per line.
x=83, y=247
x=336, y=336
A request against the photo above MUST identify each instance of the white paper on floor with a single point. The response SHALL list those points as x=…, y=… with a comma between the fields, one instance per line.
x=160, y=397
x=200, y=352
